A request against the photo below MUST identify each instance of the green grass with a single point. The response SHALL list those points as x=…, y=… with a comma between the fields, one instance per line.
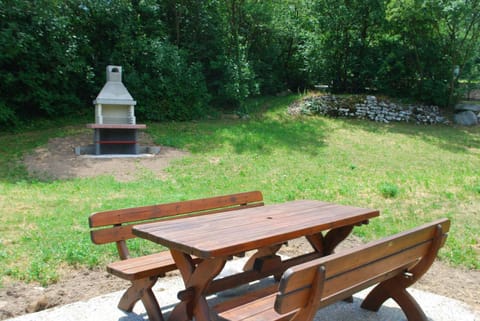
x=412, y=174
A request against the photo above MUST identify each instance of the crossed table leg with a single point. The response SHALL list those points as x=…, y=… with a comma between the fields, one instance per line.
x=197, y=278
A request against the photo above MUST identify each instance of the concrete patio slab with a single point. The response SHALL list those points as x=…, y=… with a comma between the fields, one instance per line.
x=104, y=308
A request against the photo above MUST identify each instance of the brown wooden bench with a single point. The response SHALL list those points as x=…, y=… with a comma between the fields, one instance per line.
x=395, y=263
x=143, y=272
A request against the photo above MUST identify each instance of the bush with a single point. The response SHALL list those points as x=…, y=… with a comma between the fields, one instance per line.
x=7, y=115
x=166, y=85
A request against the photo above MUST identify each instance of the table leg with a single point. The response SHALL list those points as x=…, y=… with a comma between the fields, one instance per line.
x=335, y=237
x=262, y=252
x=326, y=245
x=196, y=280
x=317, y=241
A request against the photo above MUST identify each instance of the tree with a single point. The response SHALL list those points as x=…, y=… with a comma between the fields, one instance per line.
x=42, y=69
x=460, y=26
x=347, y=32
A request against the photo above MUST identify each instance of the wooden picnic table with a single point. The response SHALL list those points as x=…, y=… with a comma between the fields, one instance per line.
x=217, y=237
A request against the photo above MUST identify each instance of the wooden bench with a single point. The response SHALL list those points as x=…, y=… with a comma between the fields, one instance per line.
x=143, y=272
x=395, y=263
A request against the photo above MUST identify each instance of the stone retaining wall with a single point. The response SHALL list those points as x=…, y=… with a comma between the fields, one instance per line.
x=369, y=107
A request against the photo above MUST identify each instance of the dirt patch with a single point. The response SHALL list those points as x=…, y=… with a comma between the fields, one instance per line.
x=18, y=298
x=77, y=285
x=58, y=161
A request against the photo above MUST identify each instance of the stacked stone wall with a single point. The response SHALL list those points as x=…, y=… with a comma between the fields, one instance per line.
x=369, y=107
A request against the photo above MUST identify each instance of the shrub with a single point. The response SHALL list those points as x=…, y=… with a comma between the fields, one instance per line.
x=166, y=85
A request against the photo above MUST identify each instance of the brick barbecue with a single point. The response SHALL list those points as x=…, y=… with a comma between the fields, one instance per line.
x=115, y=128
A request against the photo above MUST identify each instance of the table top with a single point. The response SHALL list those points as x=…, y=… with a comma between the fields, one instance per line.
x=228, y=233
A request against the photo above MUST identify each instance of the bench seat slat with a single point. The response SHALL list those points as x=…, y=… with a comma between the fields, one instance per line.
x=263, y=311
x=143, y=266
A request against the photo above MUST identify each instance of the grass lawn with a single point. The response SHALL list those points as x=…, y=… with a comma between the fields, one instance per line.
x=412, y=174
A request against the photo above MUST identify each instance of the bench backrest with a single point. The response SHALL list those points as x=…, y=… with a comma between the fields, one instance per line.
x=337, y=276
x=116, y=225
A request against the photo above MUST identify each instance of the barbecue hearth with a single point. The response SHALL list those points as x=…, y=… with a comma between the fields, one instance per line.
x=115, y=128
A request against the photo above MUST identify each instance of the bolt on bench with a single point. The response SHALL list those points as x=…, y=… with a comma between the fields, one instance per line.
x=395, y=263
x=143, y=272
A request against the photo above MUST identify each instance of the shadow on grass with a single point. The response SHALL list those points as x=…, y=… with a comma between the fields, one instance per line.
x=268, y=135
x=256, y=136
x=452, y=138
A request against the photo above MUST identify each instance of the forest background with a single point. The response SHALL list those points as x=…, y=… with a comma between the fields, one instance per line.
x=187, y=59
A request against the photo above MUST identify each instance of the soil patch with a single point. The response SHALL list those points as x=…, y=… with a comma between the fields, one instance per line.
x=58, y=161
x=82, y=284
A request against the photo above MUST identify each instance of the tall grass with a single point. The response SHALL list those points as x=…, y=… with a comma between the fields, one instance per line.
x=412, y=174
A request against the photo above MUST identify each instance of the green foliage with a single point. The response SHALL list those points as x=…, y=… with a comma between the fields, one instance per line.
x=7, y=115
x=388, y=190
x=239, y=81
x=181, y=56
x=347, y=38
x=167, y=87
x=42, y=70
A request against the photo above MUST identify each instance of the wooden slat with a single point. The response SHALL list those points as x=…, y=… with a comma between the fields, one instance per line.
x=144, y=266
x=136, y=268
x=357, y=269
x=114, y=234
x=245, y=277
x=246, y=298
x=252, y=228
x=353, y=258
x=124, y=232
x=142, y=213
x=258, y=310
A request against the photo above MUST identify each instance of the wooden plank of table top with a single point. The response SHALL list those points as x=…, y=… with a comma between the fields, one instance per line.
x=249, y=226
x=268, y=223
x=243, y=230
x=309, y=212
x=302, y=217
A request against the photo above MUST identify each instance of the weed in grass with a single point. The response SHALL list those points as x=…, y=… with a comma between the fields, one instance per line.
x=389, y=190
x=477, y=189
x=461, y=251
x=78, y=253
x=42, y=272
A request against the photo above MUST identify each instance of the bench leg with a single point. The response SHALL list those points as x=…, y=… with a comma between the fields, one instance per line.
x=142, y=290
x=387, y=290
x=396, y=288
